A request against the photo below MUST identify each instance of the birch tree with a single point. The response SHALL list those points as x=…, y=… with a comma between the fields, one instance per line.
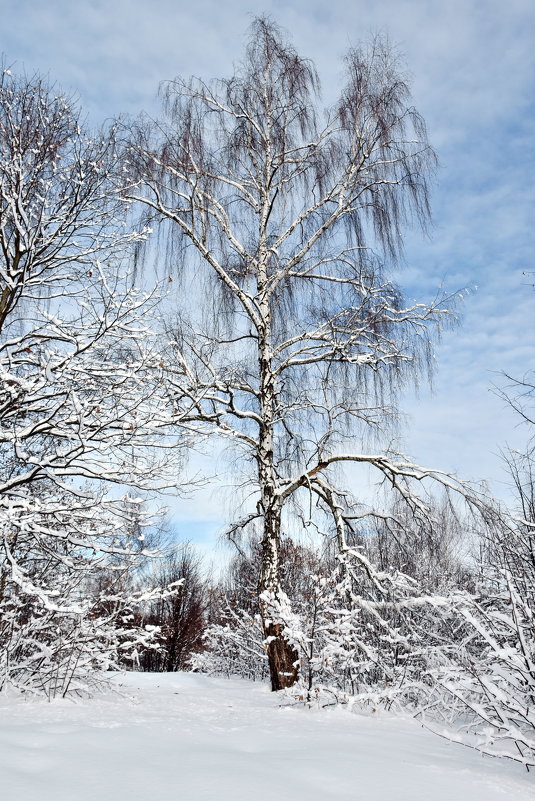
x=289, y=219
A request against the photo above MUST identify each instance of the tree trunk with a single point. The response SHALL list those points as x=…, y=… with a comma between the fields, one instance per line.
x=283, y=658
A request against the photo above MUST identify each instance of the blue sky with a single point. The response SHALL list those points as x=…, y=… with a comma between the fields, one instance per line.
x=473, y=69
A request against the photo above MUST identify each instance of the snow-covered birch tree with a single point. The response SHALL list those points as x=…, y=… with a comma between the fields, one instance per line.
x=288, y=219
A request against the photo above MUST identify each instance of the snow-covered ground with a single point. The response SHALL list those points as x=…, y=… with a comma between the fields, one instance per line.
x=182, y=737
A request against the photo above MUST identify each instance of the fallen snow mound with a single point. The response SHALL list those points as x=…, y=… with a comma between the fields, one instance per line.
x=186, y=737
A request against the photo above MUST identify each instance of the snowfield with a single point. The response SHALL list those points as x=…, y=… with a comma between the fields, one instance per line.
x=189, y=737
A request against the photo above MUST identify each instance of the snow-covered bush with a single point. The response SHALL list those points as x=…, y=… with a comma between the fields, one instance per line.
x=233, y=646
x=55, y=649
x=486, y=689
